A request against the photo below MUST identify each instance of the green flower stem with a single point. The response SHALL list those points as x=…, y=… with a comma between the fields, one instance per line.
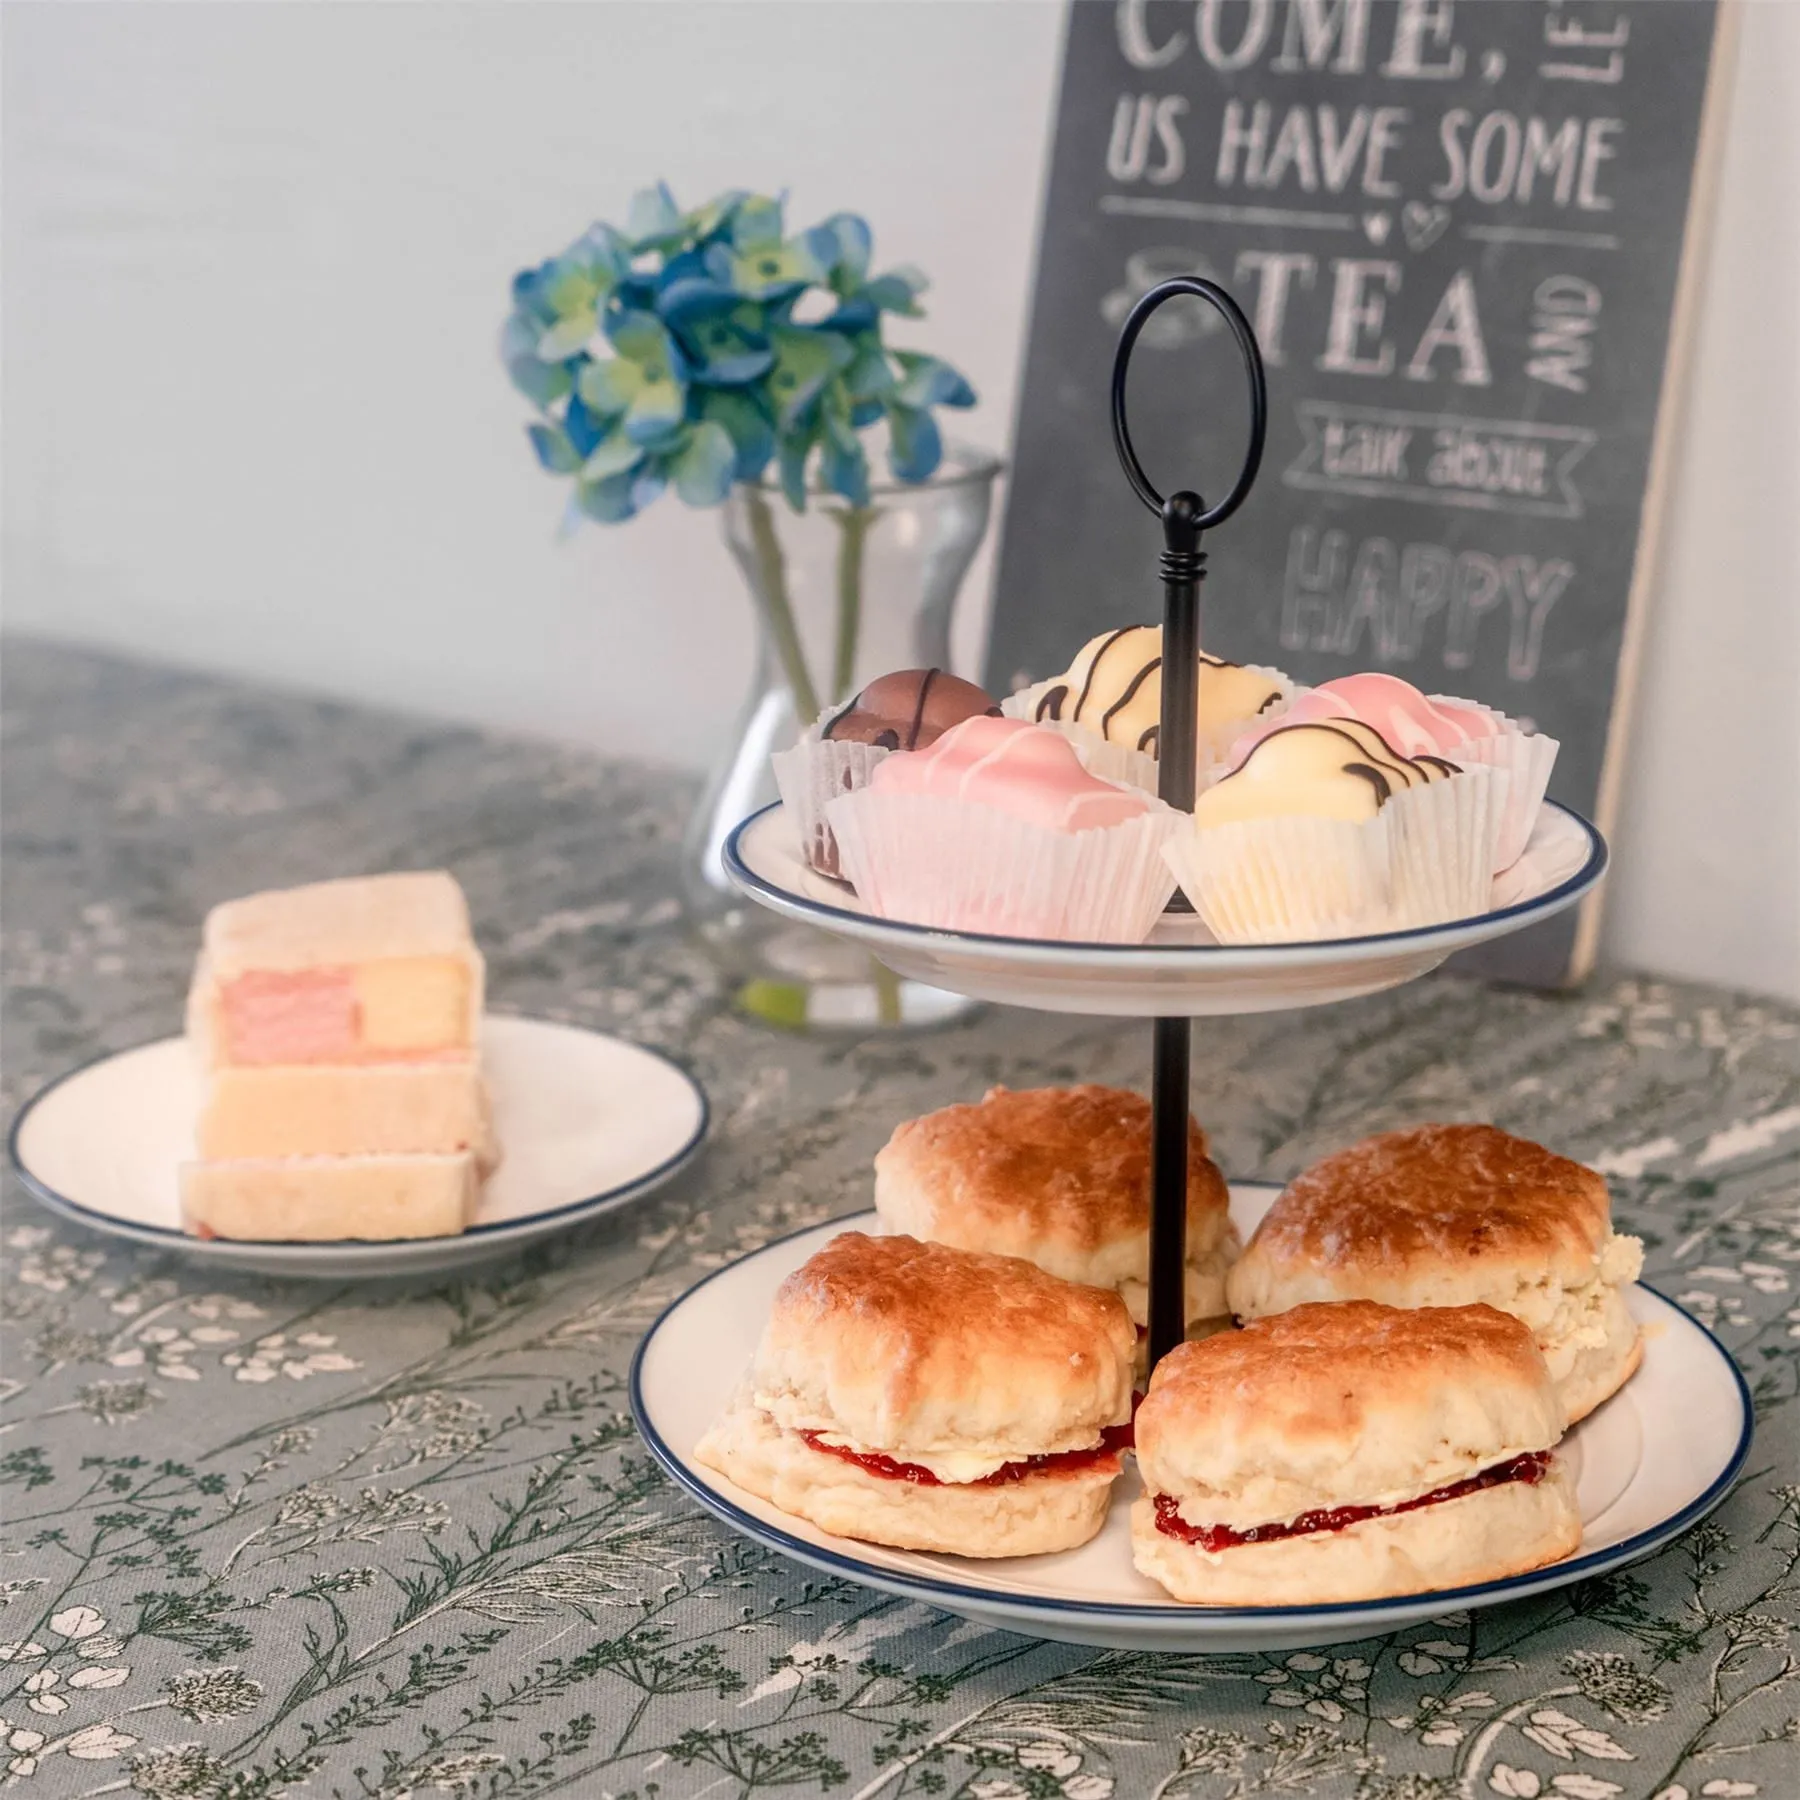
x=853, y=523
x=887, y=992
x=772, y=581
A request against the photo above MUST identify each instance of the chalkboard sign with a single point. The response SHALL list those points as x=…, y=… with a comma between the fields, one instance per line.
x=1466, y=237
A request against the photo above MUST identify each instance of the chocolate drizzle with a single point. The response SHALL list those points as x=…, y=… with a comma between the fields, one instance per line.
x=1094, y=667
x=1383, y=779
x=918, y=718
x=1384, y=789
x=1124, y=700
x=1053, y=702
x=830, y=726
x=907, y=710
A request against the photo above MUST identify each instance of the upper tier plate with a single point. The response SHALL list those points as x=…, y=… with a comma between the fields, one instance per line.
x=1181, y=971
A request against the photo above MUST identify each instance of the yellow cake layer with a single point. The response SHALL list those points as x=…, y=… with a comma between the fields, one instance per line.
x=376, y=1108
x=412, y=1004
x=319, y=1199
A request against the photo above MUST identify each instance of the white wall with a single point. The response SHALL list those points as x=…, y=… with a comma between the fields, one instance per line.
x=1707, y=881
x=256, y=261
x=256, y=256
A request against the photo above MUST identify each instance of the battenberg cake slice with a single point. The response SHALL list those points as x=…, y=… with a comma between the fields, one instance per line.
x=337, y=1027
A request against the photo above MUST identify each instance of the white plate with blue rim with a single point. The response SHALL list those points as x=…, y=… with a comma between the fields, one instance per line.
x=1180, y=970
x=586, y=1124
x=1651, y=1462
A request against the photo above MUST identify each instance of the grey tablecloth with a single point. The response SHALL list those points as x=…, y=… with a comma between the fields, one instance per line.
x=262, y=1537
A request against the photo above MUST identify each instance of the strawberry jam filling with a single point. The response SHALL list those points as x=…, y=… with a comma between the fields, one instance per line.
x=1104, y=1455
x=1530, y=1468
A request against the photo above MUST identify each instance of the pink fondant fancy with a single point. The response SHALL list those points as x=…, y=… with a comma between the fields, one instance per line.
x=1470, y=720
x=1398, y=711
x=1017, y=768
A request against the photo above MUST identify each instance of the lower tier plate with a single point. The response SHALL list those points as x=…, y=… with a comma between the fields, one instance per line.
x=1652, y=1461
x=586, y=1123
x=1181, y=971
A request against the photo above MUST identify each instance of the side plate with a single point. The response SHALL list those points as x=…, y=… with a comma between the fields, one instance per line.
x=586, y=1124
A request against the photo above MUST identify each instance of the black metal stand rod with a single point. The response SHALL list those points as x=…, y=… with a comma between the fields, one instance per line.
x=1184, y=516
x=1168, y=1185
x=1182, y=571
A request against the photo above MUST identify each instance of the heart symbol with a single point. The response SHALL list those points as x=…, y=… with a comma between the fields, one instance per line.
x=1377, y=226
x=1422, y=224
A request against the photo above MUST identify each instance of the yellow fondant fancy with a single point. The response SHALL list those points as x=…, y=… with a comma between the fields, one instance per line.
x=1114, y=688
x=1341, y=770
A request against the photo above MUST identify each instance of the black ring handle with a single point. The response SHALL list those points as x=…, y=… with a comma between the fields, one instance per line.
x=1229, y=310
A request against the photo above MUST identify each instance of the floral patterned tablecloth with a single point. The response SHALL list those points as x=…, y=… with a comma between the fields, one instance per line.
x=266, y=1537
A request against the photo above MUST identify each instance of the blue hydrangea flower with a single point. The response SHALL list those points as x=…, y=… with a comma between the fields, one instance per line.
x=670, y=354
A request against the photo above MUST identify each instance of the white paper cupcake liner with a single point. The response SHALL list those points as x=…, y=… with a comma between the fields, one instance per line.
x=1135, y=768
x=810, y=776
x=1527, y=757
x=961, y=866
x=1425, y=858
x=1287, y=879
x=1549, y=860
x=1441, y=842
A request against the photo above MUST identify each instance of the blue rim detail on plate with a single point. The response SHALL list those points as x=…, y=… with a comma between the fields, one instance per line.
x=1512, y=1586
x=1552, y=900
x=160, y=1235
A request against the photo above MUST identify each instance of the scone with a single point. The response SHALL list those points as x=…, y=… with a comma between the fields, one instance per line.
x=1448, y=1214
x=1348, y=1452
x=933, y=1399
x=1061, y=1177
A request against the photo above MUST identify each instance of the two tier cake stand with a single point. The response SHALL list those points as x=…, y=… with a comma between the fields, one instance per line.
x=1650, y=1463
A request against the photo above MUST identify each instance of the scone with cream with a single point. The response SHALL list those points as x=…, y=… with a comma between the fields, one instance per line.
x=1445, y=1215
x=1061, y=1177
x=1347, y=1452
x=932, y=1399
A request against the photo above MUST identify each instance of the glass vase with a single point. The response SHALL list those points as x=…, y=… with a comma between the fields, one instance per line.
x=843, y=594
